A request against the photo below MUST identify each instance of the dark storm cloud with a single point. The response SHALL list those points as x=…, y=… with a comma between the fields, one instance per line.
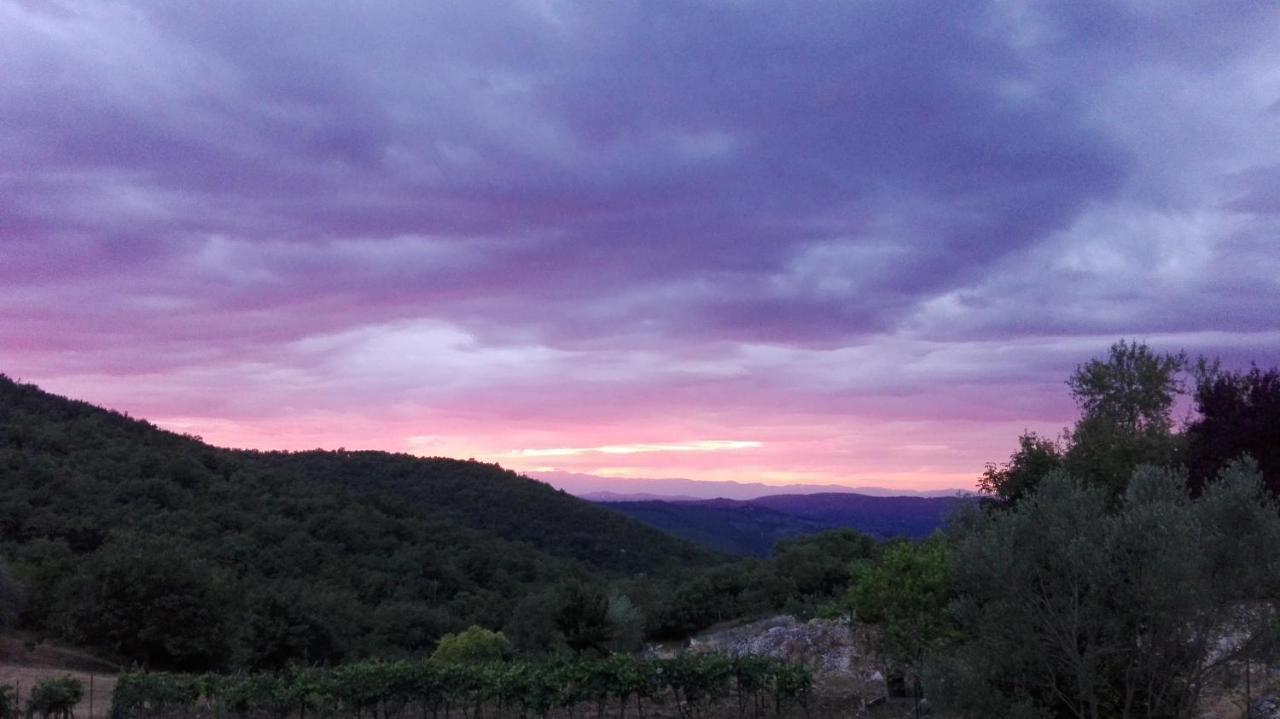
x=609, y=147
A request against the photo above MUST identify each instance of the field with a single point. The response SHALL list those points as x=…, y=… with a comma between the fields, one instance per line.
x=23, y=668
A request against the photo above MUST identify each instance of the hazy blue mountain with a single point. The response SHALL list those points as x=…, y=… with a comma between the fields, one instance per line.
x=592, y=487
x=752, y=527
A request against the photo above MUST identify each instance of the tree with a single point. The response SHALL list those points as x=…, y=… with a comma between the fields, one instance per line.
x=476, y=645
x=905, y=595
x=1035, y=458
x=532, y=625
x=412, y=626
x=1074, y=605
x=820, y=565
x=10, y=599
x=583, y=618
x=1239, y=414
x=55, y=698
x=1134, y=388
x=1126, y=401
x=151, y=603
x=296, y=623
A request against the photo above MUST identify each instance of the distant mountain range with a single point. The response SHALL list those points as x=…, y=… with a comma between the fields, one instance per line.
x=752, y=527
x=629, y=489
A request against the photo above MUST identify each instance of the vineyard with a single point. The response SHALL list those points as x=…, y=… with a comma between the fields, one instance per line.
x=687, y=687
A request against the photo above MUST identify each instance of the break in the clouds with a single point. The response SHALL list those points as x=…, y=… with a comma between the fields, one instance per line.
x=864, y=242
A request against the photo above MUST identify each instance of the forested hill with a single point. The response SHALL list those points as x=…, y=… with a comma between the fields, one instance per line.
x=736, y=527
x=752, y=527
x=259, y=559
x=488, y=498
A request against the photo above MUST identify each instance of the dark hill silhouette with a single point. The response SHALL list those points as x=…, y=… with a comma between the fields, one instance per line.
x=155, y=547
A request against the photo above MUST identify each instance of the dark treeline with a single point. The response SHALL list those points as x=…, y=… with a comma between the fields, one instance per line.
x=159, y=549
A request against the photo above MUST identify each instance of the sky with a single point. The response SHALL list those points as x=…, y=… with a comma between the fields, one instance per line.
x=861, y=243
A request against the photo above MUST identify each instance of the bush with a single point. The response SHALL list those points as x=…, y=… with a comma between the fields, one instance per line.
x=476, y=645
x=8, y=703
x=55, y=697
x=905, y=595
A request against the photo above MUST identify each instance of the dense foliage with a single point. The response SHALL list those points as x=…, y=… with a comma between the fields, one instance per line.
x=802, y=576
x=1123, y=567
x=1238, y=414
x=496, y=502
x=1034, y=459
x=690, y=683
x=156, y=548
x=905, y=594
x=1071, y=607
x=10, y=598
x=738, y=528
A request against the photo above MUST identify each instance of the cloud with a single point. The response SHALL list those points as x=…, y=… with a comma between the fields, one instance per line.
x=592, y=218
x=706, y=445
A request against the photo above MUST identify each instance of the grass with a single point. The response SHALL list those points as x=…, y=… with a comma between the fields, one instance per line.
x=23, y=666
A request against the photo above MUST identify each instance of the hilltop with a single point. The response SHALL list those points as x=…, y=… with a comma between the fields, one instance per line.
x=220, y=557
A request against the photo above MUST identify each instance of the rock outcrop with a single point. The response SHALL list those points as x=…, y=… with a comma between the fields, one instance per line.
x=835, y=651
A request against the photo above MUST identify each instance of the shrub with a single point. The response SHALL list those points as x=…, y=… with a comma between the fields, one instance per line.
x=8, y=703
x=55, y=697
x=474, y=646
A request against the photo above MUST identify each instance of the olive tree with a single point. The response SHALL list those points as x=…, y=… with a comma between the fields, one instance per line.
x=1074, y=605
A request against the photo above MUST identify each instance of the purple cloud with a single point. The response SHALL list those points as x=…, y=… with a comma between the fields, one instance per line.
x=632, y=202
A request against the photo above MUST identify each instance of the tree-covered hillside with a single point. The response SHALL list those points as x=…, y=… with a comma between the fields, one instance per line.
x=752, y=527
x=155, y=547
x=500, y=502
x=738, y=528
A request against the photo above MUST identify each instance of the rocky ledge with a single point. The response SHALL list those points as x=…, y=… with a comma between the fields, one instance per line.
x=835, y=650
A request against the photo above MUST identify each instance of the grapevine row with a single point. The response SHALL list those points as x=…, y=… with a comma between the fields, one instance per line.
x=619, y=686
